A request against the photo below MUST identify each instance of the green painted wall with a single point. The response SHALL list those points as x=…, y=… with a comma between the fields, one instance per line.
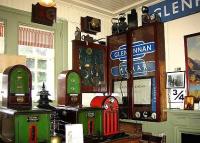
x=13, y=18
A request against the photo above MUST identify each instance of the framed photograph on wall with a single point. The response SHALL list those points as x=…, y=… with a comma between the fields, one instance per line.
x=192, y=59
x=175, y=79
x=189, y=103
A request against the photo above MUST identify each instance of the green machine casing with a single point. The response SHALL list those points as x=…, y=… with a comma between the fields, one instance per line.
x=25, y=126
x=91, y=118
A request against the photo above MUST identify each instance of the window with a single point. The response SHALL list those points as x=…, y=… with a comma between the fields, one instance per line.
x=1, y=37
x=37, y=46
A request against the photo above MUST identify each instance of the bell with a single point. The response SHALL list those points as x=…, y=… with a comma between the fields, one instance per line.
x=55, y=139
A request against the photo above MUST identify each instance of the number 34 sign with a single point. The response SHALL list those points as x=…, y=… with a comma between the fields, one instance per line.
x=176, y=95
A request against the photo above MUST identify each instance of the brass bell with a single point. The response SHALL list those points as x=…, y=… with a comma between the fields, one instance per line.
x=55, y=139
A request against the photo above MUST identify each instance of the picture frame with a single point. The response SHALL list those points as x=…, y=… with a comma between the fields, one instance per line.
x=192, y=52
x=175, y=79
x=189, y=103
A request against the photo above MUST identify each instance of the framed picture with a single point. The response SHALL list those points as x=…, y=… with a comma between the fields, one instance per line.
x=192, y=59
x=175, y=79
x=189, y=103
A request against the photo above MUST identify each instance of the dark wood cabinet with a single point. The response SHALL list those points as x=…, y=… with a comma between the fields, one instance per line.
x=117, y=59
x=138, y=58
x=90, y=60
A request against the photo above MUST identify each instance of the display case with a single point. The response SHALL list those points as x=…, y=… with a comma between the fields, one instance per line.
x=117, y=78
x=144, y=71
x=90, y=60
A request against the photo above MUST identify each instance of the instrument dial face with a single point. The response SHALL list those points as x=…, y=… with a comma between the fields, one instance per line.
x=153, y=115
x=112, y=100
x=105, y=106
x=137, y=114
x=145, y=114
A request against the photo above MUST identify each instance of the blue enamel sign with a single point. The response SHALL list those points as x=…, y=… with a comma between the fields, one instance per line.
x=173, y=9
x=140, y=49
x=140, y=67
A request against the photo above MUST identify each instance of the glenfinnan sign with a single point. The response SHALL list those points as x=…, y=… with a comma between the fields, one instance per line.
x=173, y=9
x=140, y=49
x=140, y=67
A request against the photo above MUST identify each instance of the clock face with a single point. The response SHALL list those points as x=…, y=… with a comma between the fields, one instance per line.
x=153, y=115
x=95, y=25
x=137, y=114
x=145, y=114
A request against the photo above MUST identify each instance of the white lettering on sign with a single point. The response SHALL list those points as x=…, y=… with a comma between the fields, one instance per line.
x=185, y=3
x=142, y=49
x=165, y=11
x=176, y=7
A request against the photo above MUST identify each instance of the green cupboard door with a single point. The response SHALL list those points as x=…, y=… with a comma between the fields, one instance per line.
x=35, y=126
x=94, y=115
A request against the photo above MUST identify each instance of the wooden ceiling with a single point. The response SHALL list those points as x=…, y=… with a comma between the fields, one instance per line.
x=110, y=7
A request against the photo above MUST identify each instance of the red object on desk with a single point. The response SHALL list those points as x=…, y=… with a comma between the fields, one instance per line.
x=110, y=113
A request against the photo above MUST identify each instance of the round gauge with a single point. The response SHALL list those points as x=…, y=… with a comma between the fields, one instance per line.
x=89, y=51
x=105, y=106
x=64, y=113
x=112, y=100
x=153, y=115
x=145, y=114
x=137, y=114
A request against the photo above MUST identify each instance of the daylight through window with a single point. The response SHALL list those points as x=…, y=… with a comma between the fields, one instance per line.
x=38, y=47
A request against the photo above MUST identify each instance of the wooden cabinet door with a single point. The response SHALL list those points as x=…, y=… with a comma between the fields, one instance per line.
x=90, y=60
